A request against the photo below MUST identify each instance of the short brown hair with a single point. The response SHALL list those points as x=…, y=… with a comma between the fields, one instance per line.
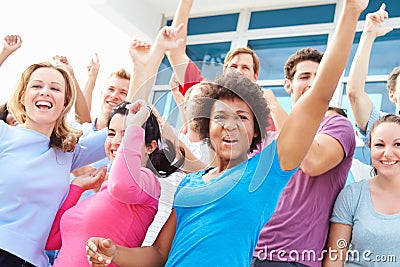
x=392, y=80
x=243, y=50
x=301, y=55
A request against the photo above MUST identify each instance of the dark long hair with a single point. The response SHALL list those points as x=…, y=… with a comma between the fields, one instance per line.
x=3, y=112
x=161, y=160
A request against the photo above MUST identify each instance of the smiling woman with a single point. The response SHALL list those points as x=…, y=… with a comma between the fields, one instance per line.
x=370, y=205
x=41, y=102
x=36, y=158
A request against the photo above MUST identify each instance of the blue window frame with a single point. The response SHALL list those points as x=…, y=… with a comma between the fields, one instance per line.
x=273, y=53
x=164, y=101
x=212, y=24
x=209, y=58
x=292, y=16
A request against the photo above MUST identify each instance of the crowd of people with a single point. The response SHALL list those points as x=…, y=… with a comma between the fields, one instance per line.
x=242, y=183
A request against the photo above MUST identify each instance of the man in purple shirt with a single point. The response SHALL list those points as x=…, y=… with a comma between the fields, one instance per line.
x=296, y=233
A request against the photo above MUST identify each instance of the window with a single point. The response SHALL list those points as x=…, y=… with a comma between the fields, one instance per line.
x=276, y=34
x=384, y=54
x=292, y=16
x=273, y=53
x=212, y=24
x=166, y=106
x=209, y=58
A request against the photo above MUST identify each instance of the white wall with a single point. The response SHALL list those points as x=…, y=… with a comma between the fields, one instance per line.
x=72, y=28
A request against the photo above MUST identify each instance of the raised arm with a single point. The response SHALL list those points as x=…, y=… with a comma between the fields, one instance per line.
x=93, y=71
x=325, y=151
x=178, y=57
x=147, y=63
x=278, y=114
x=128, y=182
x=11, y=44
x=309, y=110
x=360, y=102
x=82, y=113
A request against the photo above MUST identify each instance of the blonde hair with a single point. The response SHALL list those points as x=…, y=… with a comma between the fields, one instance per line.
x=120, y=73
x=63, y=136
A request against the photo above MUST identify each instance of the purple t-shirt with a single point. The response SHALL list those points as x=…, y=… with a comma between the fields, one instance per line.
x=298, y=229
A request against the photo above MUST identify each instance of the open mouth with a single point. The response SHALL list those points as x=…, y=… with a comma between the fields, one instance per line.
x=229, y=140
x=389, y=162
x=43, y=105
x=113, y=152
x=111, y=103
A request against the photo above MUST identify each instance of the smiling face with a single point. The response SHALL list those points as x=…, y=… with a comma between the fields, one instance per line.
x=115, y=134
x=44, y=99
x=385, y=149
x=115, y=92
x=231, y=130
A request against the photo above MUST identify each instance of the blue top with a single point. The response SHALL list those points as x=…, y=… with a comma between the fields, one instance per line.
x=375, y=236
x=33, y=184
x=218, y=222
x=373, y=117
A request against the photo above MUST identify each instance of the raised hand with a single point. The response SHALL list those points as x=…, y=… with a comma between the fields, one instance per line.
x=12, y=43
x=373, y=22
x=63, y=60
x=94, y=66
x=92, y=179
x=100, y=251
x=139, y=51
x=138, y=113
x=167, y=37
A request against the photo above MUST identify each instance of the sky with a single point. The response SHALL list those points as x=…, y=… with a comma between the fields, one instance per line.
x=70, y=28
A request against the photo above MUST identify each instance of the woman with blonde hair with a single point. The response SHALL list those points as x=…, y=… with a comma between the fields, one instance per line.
x=36, y=159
